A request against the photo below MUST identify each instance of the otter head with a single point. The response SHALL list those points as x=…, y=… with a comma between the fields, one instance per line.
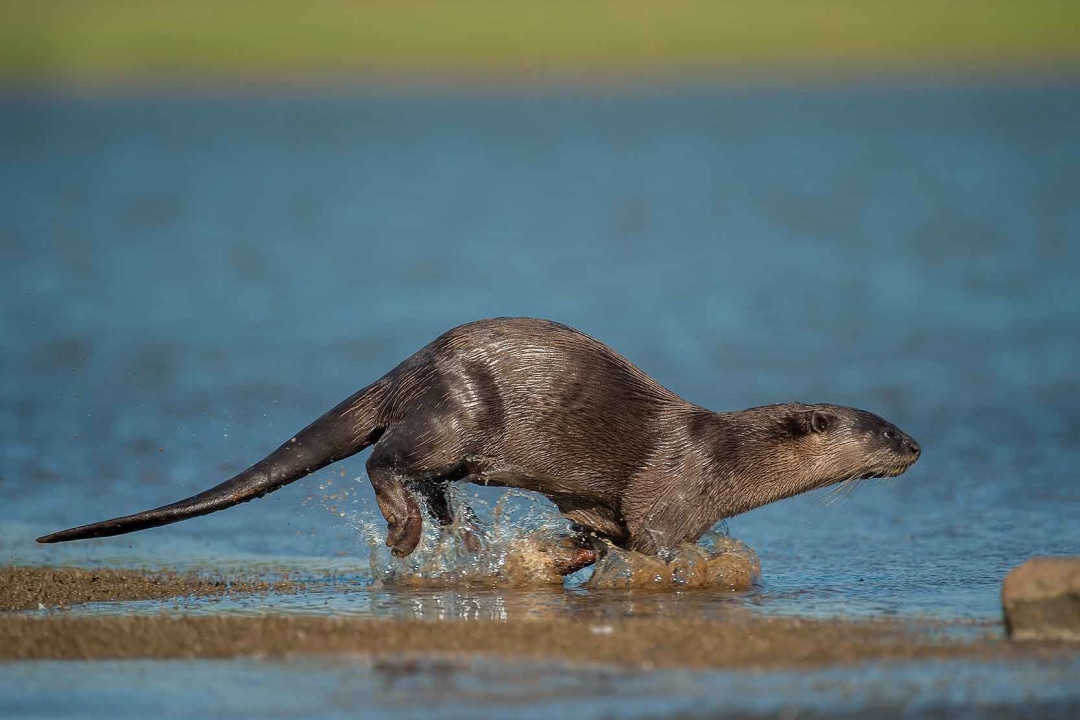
x=834, y=444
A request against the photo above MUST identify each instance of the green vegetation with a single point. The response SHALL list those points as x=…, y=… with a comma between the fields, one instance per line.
x=133, y=40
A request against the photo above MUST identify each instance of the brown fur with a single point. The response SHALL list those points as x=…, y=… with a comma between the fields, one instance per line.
x=532, y=404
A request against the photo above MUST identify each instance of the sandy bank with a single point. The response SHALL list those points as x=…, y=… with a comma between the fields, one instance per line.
x=28, y=588
x=745, y=640
x=657, y=642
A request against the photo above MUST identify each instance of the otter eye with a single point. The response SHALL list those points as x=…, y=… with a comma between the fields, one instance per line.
x=888, y=434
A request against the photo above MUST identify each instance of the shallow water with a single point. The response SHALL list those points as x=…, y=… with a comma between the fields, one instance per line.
x=189, y=281
x=451, y=688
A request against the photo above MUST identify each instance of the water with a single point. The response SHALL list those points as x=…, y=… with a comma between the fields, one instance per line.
x=448, y=688
x=187, y=281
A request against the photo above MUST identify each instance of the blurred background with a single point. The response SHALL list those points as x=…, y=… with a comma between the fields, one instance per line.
x=220, y=219
x=475, y=41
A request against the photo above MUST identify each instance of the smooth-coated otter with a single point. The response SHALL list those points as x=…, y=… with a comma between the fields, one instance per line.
x=532, y=404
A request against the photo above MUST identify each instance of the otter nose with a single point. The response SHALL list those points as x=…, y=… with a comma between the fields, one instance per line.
x=912, y=447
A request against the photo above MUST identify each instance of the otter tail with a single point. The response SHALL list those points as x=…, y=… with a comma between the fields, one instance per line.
x=346, y=430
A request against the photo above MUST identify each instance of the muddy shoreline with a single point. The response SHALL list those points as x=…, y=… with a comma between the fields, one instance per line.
x=33, y=588
x=744, y=641
x=764, y=643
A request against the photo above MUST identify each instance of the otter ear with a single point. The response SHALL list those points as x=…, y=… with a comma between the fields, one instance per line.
x=819, y=421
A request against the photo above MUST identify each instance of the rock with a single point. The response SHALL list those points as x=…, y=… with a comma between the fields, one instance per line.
x=1041, y=599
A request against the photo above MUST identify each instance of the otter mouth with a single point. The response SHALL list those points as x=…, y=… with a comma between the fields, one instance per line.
x=892, y=470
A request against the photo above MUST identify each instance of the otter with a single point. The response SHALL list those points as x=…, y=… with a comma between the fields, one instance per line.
x=536, y=405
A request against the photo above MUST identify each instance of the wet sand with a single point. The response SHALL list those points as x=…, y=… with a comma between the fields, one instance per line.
x=752, y=642
x=744, y=641
x=31, y=588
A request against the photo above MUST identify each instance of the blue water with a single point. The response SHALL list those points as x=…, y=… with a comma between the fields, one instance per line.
x=455, y=688
x=187, y=281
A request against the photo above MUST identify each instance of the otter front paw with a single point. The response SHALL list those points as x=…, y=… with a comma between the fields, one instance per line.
x=568, y=560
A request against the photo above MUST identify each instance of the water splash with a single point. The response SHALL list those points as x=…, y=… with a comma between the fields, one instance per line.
x=518, y=540
x=511, y=542
x=716, y=561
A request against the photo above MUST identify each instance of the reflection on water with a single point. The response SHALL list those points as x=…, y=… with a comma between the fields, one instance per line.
x=341, y=593
x=188, y=282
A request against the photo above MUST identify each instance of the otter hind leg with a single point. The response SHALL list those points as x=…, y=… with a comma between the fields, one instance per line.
x=404, y=464
x=397, y=504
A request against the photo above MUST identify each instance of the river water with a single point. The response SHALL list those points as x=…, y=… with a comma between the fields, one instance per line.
x=187, y=281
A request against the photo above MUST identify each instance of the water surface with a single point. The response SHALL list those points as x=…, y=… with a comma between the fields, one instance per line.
x=449, y=688
x=189, y=281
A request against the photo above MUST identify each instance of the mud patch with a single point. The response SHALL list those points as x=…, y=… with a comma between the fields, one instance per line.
x=749, y=642
x=32, y=588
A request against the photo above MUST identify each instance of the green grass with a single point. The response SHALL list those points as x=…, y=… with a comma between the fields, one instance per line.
x=117, y=40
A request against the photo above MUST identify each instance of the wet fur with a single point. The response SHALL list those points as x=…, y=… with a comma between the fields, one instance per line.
x=532, y=404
